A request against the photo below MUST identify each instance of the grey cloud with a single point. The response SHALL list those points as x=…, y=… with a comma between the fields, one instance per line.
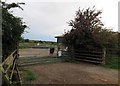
x=49, y=18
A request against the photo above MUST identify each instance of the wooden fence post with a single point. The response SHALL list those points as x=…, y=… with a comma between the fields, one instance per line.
x=72, y=52
x=104, y=55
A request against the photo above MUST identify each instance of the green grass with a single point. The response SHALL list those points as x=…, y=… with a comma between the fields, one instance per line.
x=113, y=62
x=26, y=45
x=30, y=44
x=30, y=76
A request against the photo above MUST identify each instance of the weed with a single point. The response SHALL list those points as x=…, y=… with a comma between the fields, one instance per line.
x=30, y=75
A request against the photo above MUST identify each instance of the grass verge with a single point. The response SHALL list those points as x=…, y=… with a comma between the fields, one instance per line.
x=113, y=62
x=30, y=76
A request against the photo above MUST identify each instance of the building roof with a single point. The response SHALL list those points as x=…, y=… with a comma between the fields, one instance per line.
x=59, y=36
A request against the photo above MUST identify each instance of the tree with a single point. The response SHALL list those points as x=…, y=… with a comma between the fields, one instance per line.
x=83, y=27
x=87, y=31
x=27, y=40
x=12, y=28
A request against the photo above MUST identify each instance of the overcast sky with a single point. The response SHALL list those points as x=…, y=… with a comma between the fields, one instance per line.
x=48, y=18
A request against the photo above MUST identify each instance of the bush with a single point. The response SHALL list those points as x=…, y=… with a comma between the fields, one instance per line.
x=12, y=29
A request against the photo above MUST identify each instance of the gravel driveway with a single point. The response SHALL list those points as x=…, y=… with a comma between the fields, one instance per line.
x=71, y=73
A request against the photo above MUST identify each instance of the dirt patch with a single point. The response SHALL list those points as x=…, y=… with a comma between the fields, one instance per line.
x=32, y=52
x=70, y=73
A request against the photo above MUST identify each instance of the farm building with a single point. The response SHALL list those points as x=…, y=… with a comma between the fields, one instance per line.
x=59, y=38
x=59, y=41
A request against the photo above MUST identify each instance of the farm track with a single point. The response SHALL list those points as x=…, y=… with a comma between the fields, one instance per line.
x=56, y=71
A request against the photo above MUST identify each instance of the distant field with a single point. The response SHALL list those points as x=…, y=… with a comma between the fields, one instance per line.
x=31, y=44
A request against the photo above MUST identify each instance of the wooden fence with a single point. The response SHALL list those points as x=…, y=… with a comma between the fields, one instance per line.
x=9, y=70
x=88, y=56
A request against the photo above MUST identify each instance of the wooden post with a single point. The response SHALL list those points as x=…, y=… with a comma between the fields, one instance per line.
x=72, y=52
x=16, y=66
x=104, y=55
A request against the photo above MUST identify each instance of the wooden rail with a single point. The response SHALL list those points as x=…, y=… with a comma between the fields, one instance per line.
x=9, y=69
x=88, y=56
x=37, y=60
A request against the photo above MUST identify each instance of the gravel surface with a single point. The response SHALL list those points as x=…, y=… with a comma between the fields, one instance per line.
x=71, y=73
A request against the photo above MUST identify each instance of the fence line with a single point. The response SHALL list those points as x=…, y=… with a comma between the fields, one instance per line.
x=9, y=69
x=89, y=56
